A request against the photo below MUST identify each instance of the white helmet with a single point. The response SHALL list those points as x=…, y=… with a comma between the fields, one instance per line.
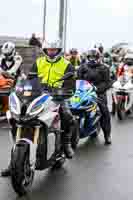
x=53, y=57
x=8, y=50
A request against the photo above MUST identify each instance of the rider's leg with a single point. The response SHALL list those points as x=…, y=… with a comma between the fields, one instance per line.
x=105, y=120
x=67, y=124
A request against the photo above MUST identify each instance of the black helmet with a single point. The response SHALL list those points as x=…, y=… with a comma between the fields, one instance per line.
x=93, y=54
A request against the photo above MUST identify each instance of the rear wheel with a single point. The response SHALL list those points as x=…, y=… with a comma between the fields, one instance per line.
x=113, y=108
x=21, y=173
x=113, y=111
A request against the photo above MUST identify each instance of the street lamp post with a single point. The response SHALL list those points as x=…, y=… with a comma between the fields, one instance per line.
x=65, y=23
x=44, y=18
x=61, y=20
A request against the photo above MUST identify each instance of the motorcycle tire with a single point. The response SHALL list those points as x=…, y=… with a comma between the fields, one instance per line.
x=41, y=153
x=21, y=173
x=113, y=109
x=120, y=112
x=75, y=136
x=96, y=133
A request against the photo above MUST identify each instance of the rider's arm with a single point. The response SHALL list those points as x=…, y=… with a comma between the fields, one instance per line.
x=106, y=83
x=69, y=84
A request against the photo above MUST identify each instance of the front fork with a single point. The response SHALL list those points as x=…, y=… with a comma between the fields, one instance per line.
x=33, y=144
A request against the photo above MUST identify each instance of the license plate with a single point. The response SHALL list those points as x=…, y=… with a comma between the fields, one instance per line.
x=27, y=93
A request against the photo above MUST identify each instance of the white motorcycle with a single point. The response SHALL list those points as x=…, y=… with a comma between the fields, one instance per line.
x=122, y=97
x=32, y=119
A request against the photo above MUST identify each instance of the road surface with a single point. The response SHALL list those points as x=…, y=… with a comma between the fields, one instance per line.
x=96, y=171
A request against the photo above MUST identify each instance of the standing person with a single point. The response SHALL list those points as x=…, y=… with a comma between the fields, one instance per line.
x=74, y=57
x=99, y=75
x=100, y=48
x=34, y=41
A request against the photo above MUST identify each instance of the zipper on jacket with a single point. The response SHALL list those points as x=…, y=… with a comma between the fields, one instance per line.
x=49, y=73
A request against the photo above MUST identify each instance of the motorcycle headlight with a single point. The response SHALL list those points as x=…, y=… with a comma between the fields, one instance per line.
x=14, y=104
x=35, y=109
x=38, y=105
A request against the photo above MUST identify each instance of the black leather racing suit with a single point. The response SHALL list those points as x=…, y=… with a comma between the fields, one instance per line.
x=99, y=75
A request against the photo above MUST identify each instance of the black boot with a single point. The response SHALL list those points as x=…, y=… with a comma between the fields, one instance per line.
x=6, y=172
x=68, y=151
x=67, y=145
x=108, y=140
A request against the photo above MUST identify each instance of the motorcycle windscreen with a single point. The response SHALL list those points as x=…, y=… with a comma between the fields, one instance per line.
x=83, y=85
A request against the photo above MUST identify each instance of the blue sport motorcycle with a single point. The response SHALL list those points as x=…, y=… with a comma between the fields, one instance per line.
x=84, y=107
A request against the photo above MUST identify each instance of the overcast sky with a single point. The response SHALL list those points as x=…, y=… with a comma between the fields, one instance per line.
x=89, y=21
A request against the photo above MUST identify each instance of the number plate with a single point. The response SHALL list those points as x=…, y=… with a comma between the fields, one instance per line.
x=27, y=93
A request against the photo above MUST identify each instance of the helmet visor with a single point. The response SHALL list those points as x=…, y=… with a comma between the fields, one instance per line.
x=52, y=52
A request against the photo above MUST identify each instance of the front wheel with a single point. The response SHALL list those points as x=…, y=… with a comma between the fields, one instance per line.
x=21, y=173
x=75, y=135
x=97, y=132
x=120, y=111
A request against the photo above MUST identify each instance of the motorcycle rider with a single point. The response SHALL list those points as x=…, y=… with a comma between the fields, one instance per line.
x=100, y=48
x=126, y=67
x=51, y=68
x=10, y=62
x=115, y=65
x=83, y=58
x=74, y=57
x=99, y=75
x=108, y=59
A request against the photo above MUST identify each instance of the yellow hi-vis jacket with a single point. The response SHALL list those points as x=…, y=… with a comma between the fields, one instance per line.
x=51, y=72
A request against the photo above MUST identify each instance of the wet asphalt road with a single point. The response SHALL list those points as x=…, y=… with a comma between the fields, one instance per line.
x=96, y=171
